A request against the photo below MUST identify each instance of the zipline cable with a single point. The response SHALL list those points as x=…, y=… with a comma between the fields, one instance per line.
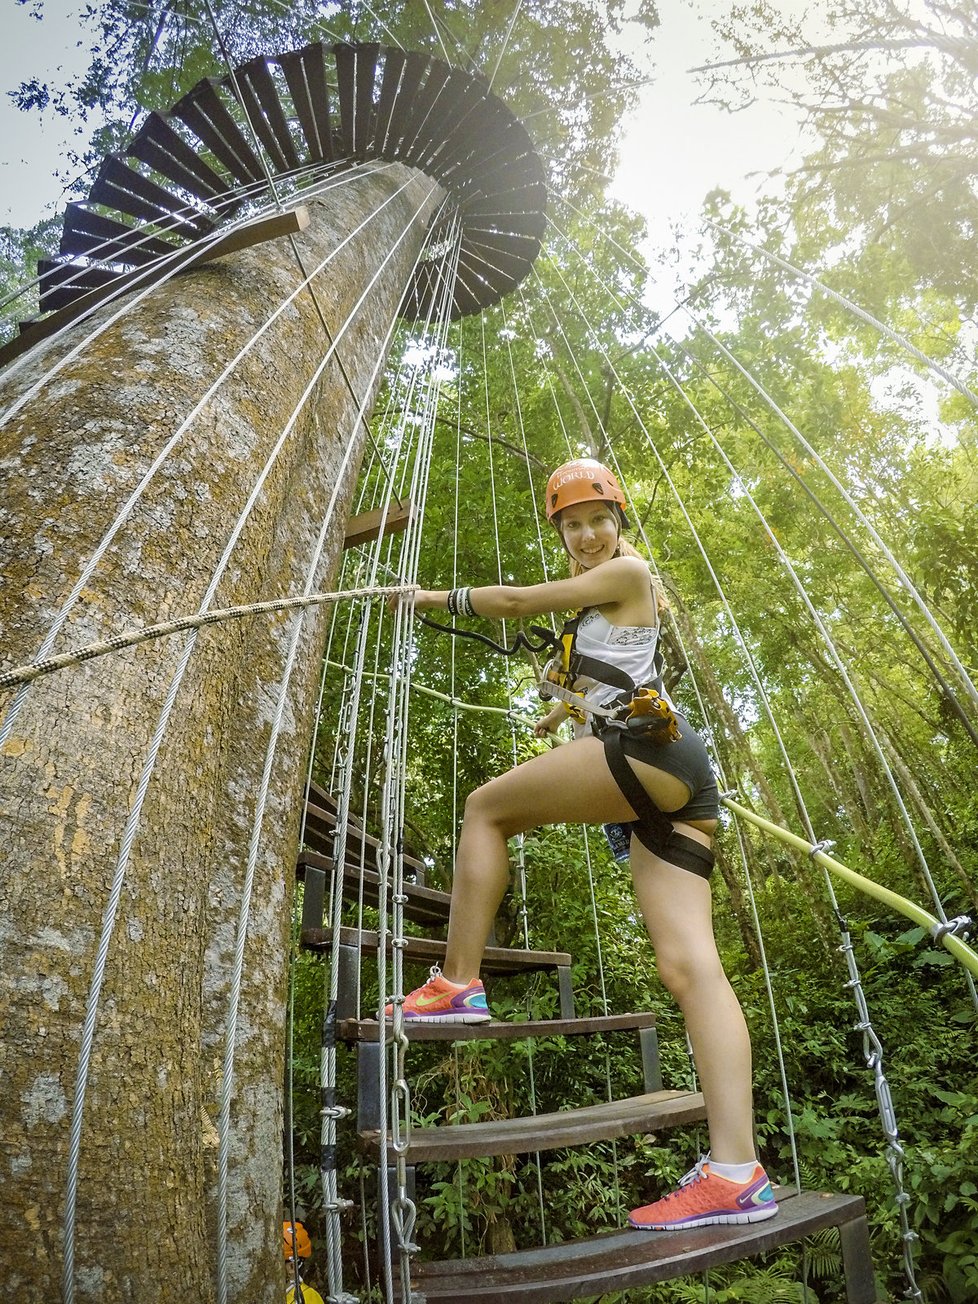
x=949, y=933
x=816, y=284
x=874, y=1051
x=860, y=515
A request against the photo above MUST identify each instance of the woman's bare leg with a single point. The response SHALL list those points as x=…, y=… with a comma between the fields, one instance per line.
x=572, y=784
x=676, y=906
x=567, y=785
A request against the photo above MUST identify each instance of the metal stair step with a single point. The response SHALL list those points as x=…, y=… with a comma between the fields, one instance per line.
x=622, y=1260
x=570, y=1127
x=320, y=822
x=424, y=905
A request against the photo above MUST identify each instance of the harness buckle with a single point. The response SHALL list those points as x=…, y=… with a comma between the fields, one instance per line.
x=650, y=714
x=555, y=682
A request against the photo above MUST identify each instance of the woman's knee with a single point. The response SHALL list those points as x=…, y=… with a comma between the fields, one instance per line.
x=483, y=806
x=684, y=971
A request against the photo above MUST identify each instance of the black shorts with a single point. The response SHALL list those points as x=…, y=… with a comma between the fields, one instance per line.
x=687, y=760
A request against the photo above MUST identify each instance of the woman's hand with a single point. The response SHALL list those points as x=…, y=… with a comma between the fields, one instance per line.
x=548, y=726
x=394, y=600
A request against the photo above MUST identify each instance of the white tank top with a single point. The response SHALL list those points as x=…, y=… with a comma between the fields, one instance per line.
x=630, y=648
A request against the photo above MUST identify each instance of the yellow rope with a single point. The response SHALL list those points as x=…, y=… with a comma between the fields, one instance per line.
x=959, y=949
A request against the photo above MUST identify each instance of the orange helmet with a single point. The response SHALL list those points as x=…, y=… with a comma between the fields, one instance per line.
x=582, y=480
x=303, y=1246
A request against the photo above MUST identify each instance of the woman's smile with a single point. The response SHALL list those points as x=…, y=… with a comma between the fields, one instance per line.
x=590, y=533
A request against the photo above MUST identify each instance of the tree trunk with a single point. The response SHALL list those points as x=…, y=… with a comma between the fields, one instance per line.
x=146, y=1212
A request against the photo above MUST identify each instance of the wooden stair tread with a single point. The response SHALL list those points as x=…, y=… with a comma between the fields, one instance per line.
x=620, y=1260
x=570, y=1127
x=497, y=960
x=497, y=1030
x=320, y=821
x=424, y=905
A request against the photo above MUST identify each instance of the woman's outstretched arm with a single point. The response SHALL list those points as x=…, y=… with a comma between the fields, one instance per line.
x=617, y=580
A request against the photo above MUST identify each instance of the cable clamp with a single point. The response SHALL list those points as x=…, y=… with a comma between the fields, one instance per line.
x=826, y=844
x=399, y=942
x=335, y=1111
x=959, y=927
x=730, y=792
x=338, y=1206
x=342, y=1298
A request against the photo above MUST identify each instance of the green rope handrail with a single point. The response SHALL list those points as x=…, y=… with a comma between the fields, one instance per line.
x=959, y=949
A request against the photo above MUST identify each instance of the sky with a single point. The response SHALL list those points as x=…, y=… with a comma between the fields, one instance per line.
x=673, y=153
x=32, y=146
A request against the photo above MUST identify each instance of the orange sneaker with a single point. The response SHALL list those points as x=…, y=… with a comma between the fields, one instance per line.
x=440, y=1001
x=705, y=1197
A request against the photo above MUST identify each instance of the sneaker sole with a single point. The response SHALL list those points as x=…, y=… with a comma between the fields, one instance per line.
x=710, y=1220
x=447, y=1018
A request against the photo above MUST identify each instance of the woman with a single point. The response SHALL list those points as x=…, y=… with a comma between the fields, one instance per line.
x=613, y=773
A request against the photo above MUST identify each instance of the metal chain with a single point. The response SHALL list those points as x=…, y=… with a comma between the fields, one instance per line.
x=873, y=1052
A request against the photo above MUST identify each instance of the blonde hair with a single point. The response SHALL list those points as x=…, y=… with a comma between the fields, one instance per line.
x=626, y=549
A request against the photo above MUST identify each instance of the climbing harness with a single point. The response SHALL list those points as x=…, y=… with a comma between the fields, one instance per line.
x=654, y=828
x=639, y=709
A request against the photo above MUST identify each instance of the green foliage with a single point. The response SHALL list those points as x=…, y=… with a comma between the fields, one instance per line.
x=19, y=252
x=887, y=204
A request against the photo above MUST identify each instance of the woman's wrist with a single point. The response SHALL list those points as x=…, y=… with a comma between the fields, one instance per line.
x=459, y=602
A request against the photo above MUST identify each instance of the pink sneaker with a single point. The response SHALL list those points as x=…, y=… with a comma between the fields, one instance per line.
x=705, y=1197
x=440, y=1001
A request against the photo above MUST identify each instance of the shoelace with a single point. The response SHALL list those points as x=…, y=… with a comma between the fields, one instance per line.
x=696, y=1174
x=433, y=973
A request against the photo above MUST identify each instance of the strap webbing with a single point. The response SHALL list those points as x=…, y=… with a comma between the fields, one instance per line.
x=666, y=842
x=627, y=780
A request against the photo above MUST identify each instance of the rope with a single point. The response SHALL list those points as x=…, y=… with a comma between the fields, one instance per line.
x=26, y=674
x=91, y=565
x=946, y=932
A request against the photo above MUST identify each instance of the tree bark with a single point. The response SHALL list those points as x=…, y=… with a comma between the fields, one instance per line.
x=146, y=1214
